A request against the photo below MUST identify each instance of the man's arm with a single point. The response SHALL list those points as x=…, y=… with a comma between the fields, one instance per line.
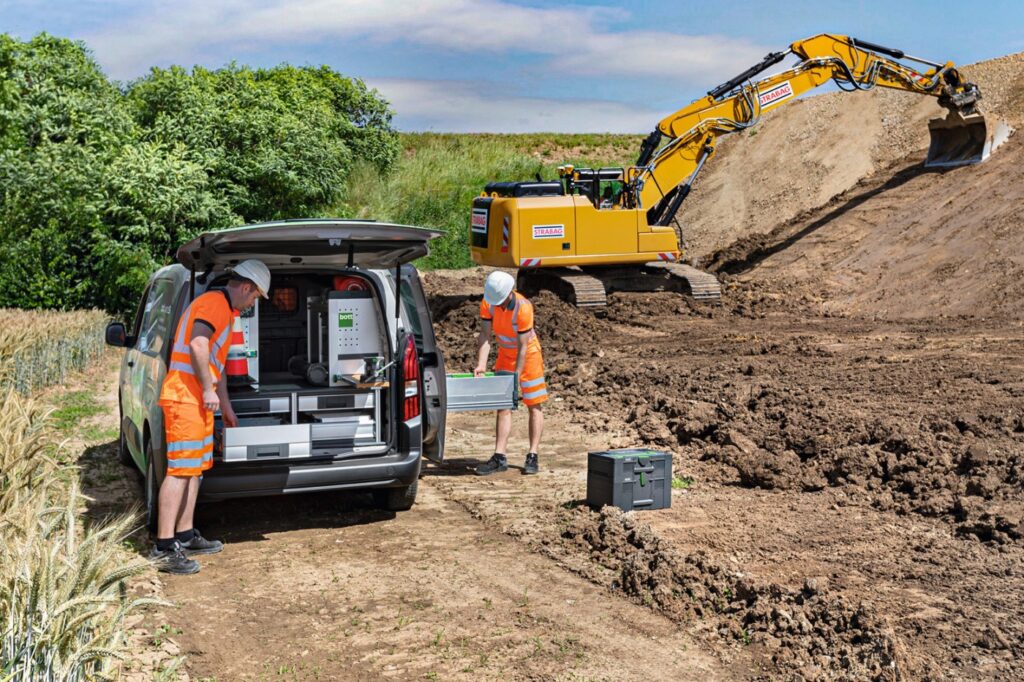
x=227, y=413
x=199, y=355
x=483, y=347
x=524, y=342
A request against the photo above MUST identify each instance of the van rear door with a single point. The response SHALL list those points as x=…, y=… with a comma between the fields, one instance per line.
x=309, y=243
x=414, y=301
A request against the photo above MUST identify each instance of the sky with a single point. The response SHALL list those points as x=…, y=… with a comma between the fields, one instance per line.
x=504, y=66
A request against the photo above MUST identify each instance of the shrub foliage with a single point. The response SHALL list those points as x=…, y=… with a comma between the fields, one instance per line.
x=99, y=183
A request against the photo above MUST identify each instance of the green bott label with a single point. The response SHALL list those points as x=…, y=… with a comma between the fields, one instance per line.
x=346, y=320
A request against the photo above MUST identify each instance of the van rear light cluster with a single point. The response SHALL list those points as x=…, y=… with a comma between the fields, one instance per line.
x=411, y=376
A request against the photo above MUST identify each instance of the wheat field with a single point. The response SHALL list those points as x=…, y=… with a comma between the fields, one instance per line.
x=41, y=347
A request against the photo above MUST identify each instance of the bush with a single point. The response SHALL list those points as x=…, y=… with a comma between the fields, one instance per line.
x=99, y=186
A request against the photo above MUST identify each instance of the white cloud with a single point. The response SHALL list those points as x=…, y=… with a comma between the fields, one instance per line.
x=572, y=39
x=464, y=107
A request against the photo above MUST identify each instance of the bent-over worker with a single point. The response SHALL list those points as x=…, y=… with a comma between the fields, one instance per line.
x=509, y=316
x=194, y=389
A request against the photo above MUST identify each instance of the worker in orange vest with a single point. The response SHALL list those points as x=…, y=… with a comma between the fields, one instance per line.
x=194, y=389
x=509, y=316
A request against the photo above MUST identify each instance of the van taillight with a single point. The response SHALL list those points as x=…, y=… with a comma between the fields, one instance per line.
x=411, y=375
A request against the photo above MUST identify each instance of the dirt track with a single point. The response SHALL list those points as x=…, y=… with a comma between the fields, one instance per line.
x=851, y=417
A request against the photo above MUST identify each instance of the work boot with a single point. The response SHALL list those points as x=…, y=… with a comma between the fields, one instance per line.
x=531, y=466
x=173, y=560
x=200, y=545
x=495, y=465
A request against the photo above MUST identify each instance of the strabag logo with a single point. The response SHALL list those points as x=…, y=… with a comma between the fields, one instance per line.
x=775, y=95
x=479, y=222
x=548, y=231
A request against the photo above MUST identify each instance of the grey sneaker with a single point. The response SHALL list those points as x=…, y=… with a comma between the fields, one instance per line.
x=200, y=545
x=531, y=466
x=173, y=560
x=495, y=465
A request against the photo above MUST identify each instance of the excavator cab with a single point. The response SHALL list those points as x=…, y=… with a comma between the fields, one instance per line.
x=961, y=140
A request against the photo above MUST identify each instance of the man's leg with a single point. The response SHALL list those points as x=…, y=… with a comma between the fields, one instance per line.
x=536, y=426
x=185, y=518
x=498, y=461
x=174, y=493
x=502, y=429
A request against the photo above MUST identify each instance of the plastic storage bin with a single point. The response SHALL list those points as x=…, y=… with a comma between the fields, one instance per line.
x=629, y=479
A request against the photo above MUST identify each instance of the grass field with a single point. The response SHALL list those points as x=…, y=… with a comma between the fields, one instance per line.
x=437, y=176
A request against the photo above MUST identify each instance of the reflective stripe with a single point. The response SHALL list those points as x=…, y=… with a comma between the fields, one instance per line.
x=188, y=463
x=507, y=339
x=182, y=348
x=176, y=446
x=535, y=394
x=532, y=382
x=180, y=339
x=183, y=367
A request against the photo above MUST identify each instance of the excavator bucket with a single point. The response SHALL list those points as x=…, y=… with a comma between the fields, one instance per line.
x=959, y=140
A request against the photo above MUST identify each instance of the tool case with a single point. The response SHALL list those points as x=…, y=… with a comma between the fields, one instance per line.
x=629, y=479
x=488, y=392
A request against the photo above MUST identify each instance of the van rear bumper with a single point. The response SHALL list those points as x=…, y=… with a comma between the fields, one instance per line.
x=229, y=479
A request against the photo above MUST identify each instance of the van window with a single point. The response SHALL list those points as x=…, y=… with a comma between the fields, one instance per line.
x=413, y=315
x=156, y=317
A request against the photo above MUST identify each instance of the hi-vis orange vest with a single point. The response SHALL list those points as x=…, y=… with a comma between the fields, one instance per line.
x=181, y=384
x=508, y=323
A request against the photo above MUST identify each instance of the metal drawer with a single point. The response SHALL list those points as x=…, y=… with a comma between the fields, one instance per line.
x=246, y=443
x=341, y=401
x=467, y=393
x=358, y=428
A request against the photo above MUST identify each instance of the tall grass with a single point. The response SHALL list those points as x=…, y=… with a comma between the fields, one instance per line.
x=41, y=347
x=438, y=175
x=63, y=598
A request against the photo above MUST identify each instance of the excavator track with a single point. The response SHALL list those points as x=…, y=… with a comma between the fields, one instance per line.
x=704, y=286
x=572, y=286
x=590, y=288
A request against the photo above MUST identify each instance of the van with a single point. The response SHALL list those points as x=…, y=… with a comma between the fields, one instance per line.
x=341, y=386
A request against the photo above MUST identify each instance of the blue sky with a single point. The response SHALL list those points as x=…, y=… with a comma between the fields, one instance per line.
x=503, y=66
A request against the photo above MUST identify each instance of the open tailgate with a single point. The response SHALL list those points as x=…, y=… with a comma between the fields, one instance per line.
x=329, y=242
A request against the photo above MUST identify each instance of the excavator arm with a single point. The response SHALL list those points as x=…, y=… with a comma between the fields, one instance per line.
x=665, y=171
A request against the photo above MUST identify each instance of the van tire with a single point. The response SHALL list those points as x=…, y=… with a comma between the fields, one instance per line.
x=152, y=491
x=396, y=499
x=124, y=455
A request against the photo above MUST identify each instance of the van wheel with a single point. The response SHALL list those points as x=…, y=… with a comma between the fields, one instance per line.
x=396, y=499
x=124, y=456
x=152, y=491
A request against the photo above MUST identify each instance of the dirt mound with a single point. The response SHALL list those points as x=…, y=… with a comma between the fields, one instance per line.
x=914, y=244
x=805, y=153
x=808, y=631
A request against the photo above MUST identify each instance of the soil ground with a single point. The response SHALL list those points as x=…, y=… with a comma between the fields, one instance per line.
x=847, y=430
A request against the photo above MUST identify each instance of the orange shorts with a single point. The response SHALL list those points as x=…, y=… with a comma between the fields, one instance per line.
x=189, y=430
x=533, y=388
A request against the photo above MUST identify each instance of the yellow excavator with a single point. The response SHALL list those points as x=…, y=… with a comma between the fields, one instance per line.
x=593, y=231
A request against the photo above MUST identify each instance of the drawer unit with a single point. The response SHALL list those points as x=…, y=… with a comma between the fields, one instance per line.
x=251, y=443
x=629, y=479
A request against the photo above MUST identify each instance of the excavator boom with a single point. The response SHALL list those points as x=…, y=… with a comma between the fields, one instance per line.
x=597, y=230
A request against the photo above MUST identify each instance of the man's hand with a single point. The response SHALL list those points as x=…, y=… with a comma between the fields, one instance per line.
x=479, y=371
x=229, y=418
x=211, y=401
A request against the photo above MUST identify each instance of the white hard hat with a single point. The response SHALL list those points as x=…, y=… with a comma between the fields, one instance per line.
x=256, y=272
x=497, y=287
